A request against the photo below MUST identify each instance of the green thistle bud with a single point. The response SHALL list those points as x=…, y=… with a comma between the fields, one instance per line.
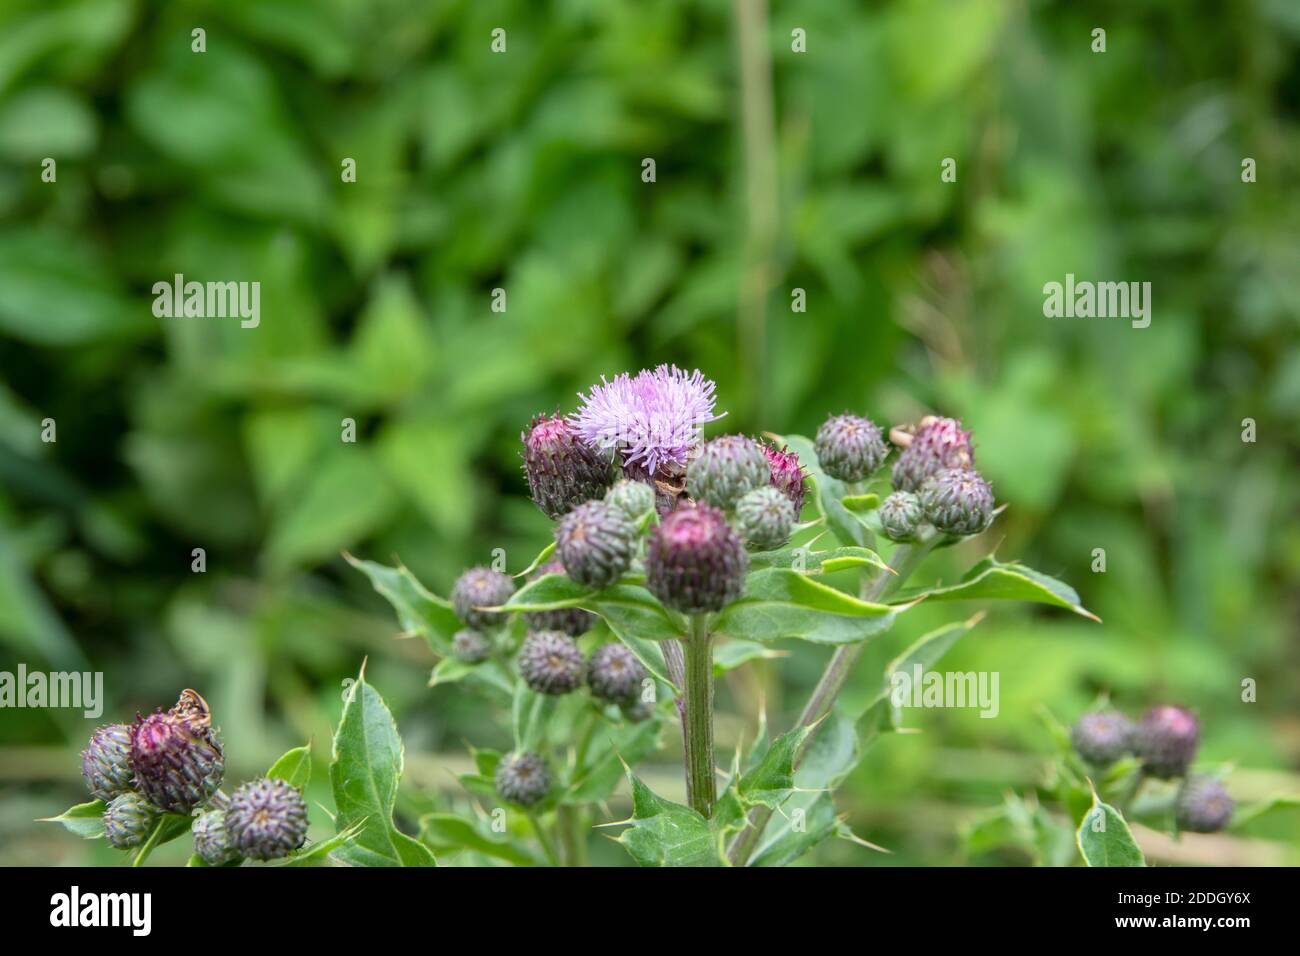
x=522, y=779
x=849, y=447
x=477, y=588
x=901, y=515
x=210, y=840
x=764, y=518
x=128, y=820
x=106, y=762
x=938, y=444
x=550, y=663
x=1202, y=805
x=615, y=674
x=562, y=470
x=266, y=819
x=958, y=502
x=1166, y=740
x=694, y=561
x=596, y=542
x=634, y=498
x=1102, y=737
x=177, y=755
x=470, y=646
x=571, y=620
x=725, y=469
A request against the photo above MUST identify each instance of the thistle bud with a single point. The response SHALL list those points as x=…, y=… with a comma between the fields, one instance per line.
x=128, y=820
x=849, y=447
x=477, y=588
x=106, y=762
x=210, y=840
x=177, y=755
x=470, y=646
x=725, y=469
x=522, y=779
x=786, y=474
x=634, y=498
x=571, y=620
x=764, y=518
x=938, y=444
x=1102, y=737
x=562, y=470
x=615, y=674
x=1166, y=741
x=1202, y=805
x=901, y=515
x=695, y=562
x=958, y=502
x=266, y=819
x=550, y=663
x=596, y=542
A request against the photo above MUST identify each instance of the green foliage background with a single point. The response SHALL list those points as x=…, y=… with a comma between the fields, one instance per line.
x=522, y=171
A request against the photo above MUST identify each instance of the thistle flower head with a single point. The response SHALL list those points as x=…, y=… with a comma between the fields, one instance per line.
x=596, y=542
x=177, y=755
x=1166, y=740
x=266, y=819
x=849, y=447
x=652, y=420
x=764, y=518
x=522, y=778
x=562, y=470
x=470, y=646
x=615, y=674
x=725, y=469
x=938, y=443
x=901, y=515
x=128, y=819
x=571, y=620
x=477, y=588
x=787, y=474
x=695, y=562
x=957, y=501
x=1102, y=737
x=1202, y=805
x=550, y=663
x=210, y=840
x=106, y=762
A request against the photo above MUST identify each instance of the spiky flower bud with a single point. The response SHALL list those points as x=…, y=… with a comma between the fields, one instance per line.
x=522, y=779
x=596, y=542
x=615, y=674
x=177, y=755
x=571, y=620
x=210, y=839
x=1102, y=737
x=938, y=444
x=128, y=820
x=764, y=518
x=849, y=447
x=695, y=562
x=1166, y=741
x=787, y=474
x=563, y=471
x=901, y=515
x=550, y=663
x=958, y=502
x=725, y=469
x=266, y=819
x=634, y=498
x=477, y=588
x=106, y=762
x=470, y=646
x=1202, y=805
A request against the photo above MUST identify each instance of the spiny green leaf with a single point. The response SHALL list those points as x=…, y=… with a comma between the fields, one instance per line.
x=780, y=602
x=294, y=767
x=992, y=580
x=1104, y=838
x=418, y=610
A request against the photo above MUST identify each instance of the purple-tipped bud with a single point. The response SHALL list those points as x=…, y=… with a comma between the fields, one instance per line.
x=764, y=518
x=615, y=675
x=958, y=502
x=1166, y=741
x=596, y=542
x=1202, y=805
x=210, y=840
x=106, y=762
x=725, y=469
x=635, y=499
x=938, y=444
x=550, y=663
x=128, y=820
x=478, y=588
x=571, y=620
x=1102, y=737
x=901, y=516
x=470, y=646
x=563, y=471
x=177, y=755
x=522, y=779
x=849, y=447
x=266, y=819
x=787, y=474
x=695, y=562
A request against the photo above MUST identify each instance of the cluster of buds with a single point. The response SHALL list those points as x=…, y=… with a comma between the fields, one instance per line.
x=1165, y=742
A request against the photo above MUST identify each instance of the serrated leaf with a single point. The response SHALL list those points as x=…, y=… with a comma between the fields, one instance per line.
x=86, y=820
x=663, y=833
x=771, y=781
x=419, y=611
x=993, y=580
x=1104, y=838
x=808, y=819
x=781, y=603
x=294, y=767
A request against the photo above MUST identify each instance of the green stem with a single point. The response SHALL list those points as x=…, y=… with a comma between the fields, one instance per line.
x=698, y=717
x=544, y=838
x=1130, y=795
x=569, y=821
x=150, y=843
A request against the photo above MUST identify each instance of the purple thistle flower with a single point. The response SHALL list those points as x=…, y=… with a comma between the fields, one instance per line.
x=654, y=419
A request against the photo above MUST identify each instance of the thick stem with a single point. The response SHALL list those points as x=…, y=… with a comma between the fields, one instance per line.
x=570, y=822
x=700, y=784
